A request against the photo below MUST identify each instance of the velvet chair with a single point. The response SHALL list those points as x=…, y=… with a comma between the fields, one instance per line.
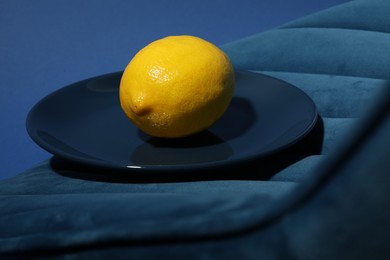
x=325, y=197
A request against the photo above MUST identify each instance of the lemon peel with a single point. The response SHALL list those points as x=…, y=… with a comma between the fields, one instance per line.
x=177, y=86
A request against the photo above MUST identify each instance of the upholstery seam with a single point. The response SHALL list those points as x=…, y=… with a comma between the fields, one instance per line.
x=320, y=74
x=312, y=73
x=333, y=28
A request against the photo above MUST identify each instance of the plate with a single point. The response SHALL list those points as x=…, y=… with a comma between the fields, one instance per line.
x=84, y=123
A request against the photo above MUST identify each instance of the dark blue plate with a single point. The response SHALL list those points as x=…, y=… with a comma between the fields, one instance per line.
x=84, y=123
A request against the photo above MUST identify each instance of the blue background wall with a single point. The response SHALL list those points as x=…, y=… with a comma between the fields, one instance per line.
x=47, y=44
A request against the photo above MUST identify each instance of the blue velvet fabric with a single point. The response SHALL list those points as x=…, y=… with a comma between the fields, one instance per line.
x=326, y=197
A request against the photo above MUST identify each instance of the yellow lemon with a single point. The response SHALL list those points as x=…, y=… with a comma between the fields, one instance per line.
x=177, y=86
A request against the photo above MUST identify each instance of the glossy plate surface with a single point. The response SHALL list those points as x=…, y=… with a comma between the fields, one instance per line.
x=84, y=123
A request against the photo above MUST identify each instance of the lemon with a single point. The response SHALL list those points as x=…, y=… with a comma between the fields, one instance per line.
x=177, y=86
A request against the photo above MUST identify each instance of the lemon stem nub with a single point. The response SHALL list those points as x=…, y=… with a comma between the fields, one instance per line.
x=141, y=110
